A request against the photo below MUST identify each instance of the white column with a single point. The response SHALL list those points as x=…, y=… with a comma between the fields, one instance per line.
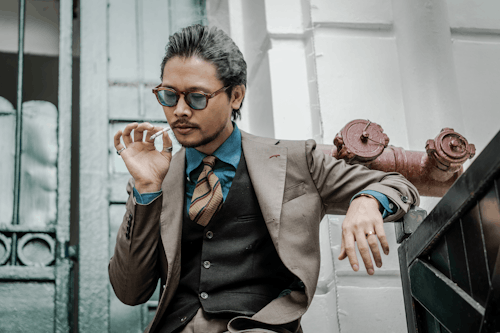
x=93, y=299
x=429, y=85
x=289, y=72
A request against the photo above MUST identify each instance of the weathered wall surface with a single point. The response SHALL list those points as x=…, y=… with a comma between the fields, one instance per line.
x=412, y=67
x=122, y=46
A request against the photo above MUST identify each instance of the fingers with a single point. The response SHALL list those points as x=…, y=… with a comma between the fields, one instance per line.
x=151, y=131
x=342, y=254
x=139, y=131
x=379, y=230
x=126, y=133
x=373, y=243
x=350, y=251
x=364, y=251
x=367, y=240
x=117, y=141
x=167, y=142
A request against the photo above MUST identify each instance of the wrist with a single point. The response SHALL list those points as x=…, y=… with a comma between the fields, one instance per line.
x=369, y=196
x=147, y=187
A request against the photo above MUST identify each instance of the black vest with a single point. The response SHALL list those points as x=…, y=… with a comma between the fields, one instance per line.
x=230, y=267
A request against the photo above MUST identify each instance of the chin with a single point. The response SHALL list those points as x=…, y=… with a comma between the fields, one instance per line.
x=205, y=139
x=195, y=143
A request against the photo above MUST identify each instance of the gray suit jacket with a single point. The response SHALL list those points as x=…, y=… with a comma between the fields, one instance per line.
x=295, y=184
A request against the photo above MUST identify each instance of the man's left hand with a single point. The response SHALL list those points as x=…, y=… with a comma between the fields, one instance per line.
x=363, y=224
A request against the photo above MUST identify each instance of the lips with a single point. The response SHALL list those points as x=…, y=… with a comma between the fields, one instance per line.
x=184, y=130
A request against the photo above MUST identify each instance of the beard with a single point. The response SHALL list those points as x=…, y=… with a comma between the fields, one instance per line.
x=205, y=140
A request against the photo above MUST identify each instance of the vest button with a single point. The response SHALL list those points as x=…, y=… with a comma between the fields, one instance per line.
x=210, y=235
x=204, y=295
x=206, y=264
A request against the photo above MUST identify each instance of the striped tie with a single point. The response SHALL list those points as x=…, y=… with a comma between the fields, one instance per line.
x=207, y=195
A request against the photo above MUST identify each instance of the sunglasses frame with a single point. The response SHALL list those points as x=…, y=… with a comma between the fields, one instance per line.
x=185, y=93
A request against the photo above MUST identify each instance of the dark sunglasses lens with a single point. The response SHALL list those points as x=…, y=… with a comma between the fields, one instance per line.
x=167, y=98
x=196, y=101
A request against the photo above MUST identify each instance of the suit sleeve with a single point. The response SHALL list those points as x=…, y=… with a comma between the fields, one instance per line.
x=337, y=182
x=133, y=269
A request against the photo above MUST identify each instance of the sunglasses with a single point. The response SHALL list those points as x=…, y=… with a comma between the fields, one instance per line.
x=197, y=100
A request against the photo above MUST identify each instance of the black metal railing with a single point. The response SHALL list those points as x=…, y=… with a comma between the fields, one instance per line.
x=450, y=265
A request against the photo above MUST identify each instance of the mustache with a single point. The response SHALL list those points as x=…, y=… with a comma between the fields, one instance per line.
x=183, y=123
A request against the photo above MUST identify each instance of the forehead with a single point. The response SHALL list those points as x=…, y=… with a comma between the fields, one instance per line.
x=183, y=73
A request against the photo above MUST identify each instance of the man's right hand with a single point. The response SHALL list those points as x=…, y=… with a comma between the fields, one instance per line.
x=147, y=165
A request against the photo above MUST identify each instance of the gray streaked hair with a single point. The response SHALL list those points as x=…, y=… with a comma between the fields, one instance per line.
x=212, y=45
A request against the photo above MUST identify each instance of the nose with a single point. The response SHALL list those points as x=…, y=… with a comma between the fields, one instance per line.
x=182, y=109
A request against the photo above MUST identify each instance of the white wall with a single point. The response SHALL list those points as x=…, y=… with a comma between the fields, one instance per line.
x=413, y=67
x=475, y=37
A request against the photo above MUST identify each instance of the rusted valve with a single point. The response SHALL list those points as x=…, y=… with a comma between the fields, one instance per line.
x=450, y=150
x=360, y=141
x=432, y=172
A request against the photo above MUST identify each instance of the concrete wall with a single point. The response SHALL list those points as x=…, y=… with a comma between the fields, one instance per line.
x=413, y=67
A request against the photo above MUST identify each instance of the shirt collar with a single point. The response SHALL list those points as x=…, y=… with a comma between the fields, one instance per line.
x=229, y=152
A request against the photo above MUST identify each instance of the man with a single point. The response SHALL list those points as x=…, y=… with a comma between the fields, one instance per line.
x=230, y=223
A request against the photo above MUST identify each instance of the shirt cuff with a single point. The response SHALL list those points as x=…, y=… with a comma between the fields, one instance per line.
x=145, y=198
x=387, y=205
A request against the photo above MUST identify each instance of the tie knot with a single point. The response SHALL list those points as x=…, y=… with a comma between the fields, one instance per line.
x=210, y=160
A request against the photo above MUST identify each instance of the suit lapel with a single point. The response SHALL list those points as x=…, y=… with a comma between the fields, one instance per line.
x=266, y=163
x=171, y=228
x=172, y=210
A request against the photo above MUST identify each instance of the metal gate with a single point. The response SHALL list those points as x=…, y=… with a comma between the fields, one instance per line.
x=35, y=268
x=450, y=266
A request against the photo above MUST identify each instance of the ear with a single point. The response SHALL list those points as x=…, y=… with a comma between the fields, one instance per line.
x=237, y=96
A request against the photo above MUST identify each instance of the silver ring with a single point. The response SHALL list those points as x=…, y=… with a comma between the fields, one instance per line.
x=370, y=233
x=168, y=149
x=120, y=151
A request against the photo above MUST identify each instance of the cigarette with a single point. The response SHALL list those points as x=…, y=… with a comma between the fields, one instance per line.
x=157, y=134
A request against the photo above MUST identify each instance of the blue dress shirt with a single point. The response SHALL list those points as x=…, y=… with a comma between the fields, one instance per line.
x=228, y=157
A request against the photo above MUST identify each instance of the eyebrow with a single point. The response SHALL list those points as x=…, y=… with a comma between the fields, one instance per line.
x=195, y=88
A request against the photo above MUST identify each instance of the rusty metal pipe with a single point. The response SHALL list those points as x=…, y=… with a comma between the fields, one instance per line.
x=418, y=168
x=432, y=172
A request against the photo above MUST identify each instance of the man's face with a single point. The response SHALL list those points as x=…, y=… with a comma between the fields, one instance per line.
x=204, y=129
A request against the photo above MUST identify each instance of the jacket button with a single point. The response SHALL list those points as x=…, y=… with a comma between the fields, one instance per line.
x=210, y=235
x=183, y=319
x=204, y=295
x=206, y=264
x=404, y=199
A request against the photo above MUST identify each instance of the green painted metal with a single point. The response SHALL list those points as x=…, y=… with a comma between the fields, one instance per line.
x=25, y=306
x=428, y=285
x=35, y=264
x=93, y=295
x=19, y=124
x=64, y=264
